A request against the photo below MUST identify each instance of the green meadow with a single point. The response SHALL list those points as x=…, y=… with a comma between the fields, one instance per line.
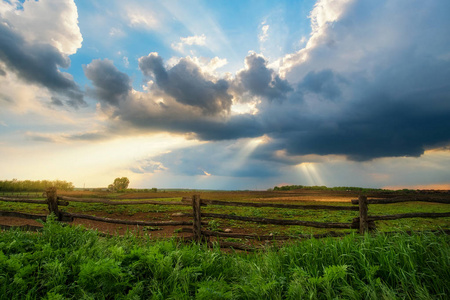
x=67, y=262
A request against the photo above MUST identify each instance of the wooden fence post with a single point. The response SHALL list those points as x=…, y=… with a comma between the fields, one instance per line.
x=363, y=218
x=197, y=223
x=52, y=202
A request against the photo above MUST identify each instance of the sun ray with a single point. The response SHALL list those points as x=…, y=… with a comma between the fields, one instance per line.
x=311, y=174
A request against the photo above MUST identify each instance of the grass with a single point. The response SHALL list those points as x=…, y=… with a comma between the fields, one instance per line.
x=65, y=262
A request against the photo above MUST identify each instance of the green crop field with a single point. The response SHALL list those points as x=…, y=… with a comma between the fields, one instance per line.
x=301, y=197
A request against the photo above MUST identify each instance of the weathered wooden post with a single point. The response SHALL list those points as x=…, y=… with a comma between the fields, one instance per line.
x=197, y=224
x=363, y=218
x=52, y=202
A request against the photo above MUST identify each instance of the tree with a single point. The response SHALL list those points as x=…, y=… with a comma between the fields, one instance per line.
x=119, y=184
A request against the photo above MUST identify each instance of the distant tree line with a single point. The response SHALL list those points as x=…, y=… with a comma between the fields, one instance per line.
x=324, y=188
x=34, y=185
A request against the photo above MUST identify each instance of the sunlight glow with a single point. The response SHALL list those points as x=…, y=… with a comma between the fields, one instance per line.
x=93, y=164
x=206, y=173
x=245, y=108
x=248, y=149
x=311, y=173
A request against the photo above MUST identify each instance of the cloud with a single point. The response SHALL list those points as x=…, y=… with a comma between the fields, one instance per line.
x=149, y=112
x=36, y=20
x=40, y=138
x=142, y=18
x=39, y=64
x=199, y=40
x=87, y=136
x=324, y=82
x=148, y=166
x=370, y=85
x=264, y=32
x=110, y=85
x=187, y=85
x=56, y=102
x=366, y=86
x=126, y=62
x=259, y=80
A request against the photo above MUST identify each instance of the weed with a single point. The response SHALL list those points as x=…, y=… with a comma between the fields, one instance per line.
x=213, y=225
x=151, y=228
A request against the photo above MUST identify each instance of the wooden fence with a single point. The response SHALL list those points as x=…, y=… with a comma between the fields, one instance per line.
x=362, y=222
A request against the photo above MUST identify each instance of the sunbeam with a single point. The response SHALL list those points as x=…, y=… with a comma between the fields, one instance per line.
x=311, y=173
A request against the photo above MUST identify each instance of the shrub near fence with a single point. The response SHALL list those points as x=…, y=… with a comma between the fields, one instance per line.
x=363, y=222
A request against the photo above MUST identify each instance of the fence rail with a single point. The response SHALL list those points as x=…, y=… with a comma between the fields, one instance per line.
x=363, y=222
x=403, y=199
x=126, y=222
x=22, y=215
x=118, y=202
x=279, y=221
x=274, y=205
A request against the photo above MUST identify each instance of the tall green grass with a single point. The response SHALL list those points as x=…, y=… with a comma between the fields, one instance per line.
x=66, y=262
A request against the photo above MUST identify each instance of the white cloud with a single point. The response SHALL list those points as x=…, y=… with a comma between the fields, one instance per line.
x=209, y=66
x=199, y=40
x=264, y=35
x=117, y=32
x=148, y=166
x=143, y=18
x=126, y=61
x=46, y=21
x=324, y=14
x=194, y=40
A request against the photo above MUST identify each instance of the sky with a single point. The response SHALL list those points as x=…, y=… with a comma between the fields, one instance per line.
x=226, y=94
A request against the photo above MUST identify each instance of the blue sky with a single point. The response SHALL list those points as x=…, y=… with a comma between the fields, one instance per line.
x=226, y=94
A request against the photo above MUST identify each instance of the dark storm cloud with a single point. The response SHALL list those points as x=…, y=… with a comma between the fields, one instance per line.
x=208, y=129
x=239, y=126
x=325, y=83
x=56, y=102
x=260, y=80
x=38, y=63
x=111, y=85
x=186, y=83
x=153, y=65
x=401, y=111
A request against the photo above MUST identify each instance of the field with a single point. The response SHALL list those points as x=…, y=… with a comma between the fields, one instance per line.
x=131, y=262
x=303, y=197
